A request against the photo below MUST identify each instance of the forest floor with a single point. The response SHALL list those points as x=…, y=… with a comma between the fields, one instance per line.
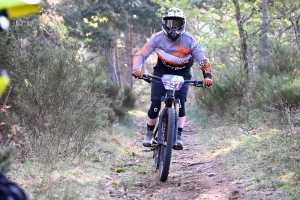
x=195, y=173
x=218, y=162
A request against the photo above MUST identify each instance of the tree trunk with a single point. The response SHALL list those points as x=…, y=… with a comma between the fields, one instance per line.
x=243, y=37
x=131, y=58
x=264, y=23
x=117, y=63
x=110, y=67
x=296, y=30
x=128, y=58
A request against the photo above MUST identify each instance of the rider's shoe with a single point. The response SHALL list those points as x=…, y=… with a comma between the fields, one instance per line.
x=147, y=140
x=179, y=144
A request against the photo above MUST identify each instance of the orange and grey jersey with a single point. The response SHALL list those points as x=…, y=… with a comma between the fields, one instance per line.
x=175, y=55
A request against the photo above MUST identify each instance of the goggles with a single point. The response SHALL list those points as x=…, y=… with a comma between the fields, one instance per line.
x=174, y=23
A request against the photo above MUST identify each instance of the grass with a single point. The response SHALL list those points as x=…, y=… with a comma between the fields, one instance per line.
x=265, y=158
x=68, y=177
x=87, y=175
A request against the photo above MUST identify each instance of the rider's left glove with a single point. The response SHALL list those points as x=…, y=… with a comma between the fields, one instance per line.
x=138, y=74
x=207, y=82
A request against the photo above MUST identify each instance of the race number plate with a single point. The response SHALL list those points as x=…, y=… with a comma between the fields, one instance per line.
x=172, y=82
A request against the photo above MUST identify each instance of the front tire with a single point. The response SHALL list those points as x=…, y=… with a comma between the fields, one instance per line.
x=166, y=149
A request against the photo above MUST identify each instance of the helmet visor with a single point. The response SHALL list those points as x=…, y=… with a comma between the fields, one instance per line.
x=174, y=23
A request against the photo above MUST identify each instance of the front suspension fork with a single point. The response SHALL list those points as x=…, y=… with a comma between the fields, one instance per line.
x=176, y=105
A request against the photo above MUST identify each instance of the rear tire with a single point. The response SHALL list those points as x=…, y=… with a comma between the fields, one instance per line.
x=166, y=149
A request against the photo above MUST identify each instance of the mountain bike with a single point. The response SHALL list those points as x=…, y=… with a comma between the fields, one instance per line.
x=165, y=131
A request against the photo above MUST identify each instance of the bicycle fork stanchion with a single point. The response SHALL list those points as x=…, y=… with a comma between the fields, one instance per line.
x=160, y=128
x=177, y=103
x=161, y=115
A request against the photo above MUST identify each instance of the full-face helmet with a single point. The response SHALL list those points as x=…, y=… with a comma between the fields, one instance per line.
x=173, y=23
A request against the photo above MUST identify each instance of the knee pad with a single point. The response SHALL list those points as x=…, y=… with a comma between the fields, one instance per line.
x=154, y=109
x=155, y=106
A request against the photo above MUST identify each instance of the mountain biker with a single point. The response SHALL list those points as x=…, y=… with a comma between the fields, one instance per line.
x=176, y=50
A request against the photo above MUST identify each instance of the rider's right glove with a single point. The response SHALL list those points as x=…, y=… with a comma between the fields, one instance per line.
x=206, y=69
x=137, y=74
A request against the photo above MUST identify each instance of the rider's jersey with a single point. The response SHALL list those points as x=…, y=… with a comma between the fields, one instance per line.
x=174, y=55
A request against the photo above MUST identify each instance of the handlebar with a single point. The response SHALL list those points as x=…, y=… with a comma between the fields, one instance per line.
x=151, y=78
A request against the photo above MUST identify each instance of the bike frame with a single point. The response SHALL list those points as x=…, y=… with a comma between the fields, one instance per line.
x=167, y=123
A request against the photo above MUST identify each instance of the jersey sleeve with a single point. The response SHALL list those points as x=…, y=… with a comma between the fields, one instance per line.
x=143, y=54
x=201, y=60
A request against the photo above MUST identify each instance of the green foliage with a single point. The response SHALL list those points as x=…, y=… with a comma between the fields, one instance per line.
x=270, y=157
x=227, y=90
x=277, y=89
x=51, y=99
x=197, y=116
x=291, y=93
x=129, y=99
x=283, y=60
x=120, y=101
x=117, y=16
x=6, y=158
x=278, y=95
x=277, y=92
x=205, y=4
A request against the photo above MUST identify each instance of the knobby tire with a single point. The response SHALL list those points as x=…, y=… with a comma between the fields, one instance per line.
x=157, y=150
x=166, y=150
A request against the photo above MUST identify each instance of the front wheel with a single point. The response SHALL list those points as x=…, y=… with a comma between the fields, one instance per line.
x=156, y=155
x=166, y=149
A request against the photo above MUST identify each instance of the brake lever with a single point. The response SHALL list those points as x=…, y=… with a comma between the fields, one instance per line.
x=147, y=80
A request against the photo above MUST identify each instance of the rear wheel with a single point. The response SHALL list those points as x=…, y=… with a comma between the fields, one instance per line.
x=166, y=148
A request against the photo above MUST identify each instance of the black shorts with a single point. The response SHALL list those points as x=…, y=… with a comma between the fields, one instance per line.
x=158, y=90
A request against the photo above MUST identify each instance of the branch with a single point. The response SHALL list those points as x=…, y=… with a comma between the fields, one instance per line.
x=8, y=95
x=296, y=32
x=198, y=163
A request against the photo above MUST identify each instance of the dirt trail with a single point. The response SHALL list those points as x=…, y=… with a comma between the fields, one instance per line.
x=194, y=175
